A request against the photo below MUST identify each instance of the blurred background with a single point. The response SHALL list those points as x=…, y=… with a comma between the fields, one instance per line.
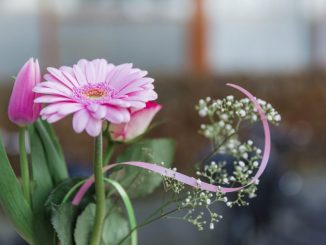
x=274, y=48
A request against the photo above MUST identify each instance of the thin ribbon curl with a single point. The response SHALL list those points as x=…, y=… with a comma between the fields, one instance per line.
x=190, y=180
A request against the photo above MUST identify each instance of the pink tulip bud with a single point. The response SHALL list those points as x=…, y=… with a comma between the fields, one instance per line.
x=137, y=125
x=22, y=110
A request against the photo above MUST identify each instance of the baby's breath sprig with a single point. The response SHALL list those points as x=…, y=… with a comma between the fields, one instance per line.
x=224, y=120
x=225, y=117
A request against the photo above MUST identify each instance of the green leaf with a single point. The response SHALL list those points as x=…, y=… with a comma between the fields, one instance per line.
x=138, y=182
x=58, y=194
x=64, y=215
x=56, y=163
x=12, y=200
x=54, y=137
x=84, y=225
x=42, y=186
x=63, y=220
x=115, y=227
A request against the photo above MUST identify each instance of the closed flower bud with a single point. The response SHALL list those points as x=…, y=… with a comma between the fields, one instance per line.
x=22, y=110
x=139, y=122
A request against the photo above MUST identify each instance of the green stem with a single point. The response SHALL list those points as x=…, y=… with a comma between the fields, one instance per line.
x=24, y=168
x=99, y=192
x=108, y=153
x=130, y=211
x=72, y=190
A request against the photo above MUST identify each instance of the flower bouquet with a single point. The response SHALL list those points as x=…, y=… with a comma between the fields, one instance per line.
x=115, y=105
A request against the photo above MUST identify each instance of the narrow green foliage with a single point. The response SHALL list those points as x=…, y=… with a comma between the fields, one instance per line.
x=56, y=163
x=12, y=199
x=42, y=186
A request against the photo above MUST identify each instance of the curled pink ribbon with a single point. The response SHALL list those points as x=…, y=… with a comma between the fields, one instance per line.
x=190, y=180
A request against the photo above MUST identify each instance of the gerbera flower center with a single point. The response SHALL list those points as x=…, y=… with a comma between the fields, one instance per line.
x=95, y=93
x=91, y=93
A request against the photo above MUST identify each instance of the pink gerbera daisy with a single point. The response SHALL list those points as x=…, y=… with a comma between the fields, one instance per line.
x=94, y=91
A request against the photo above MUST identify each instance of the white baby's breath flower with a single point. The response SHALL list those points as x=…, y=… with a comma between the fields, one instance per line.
x=242, y=113
x=230, y=97
x=277, y=118
x=211, y=226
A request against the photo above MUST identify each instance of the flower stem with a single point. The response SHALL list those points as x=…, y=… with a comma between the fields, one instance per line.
x=99, y=191
x=108, y=153
x=24, y=168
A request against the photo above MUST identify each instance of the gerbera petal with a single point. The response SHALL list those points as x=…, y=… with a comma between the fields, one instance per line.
x=145, y=95
x=52, y=108
x=68, y=72
x=98, y=111
x=93, y=127
x=116, y=80
x=57, y=86
x=101, y=66
x=43, y=90
x=57, y=74
x=50, y=99
x=79, y=74
x=82, y=64
x=90, y=73
x=54, y=118
x=134, y=82
x=137, y=104
x=70, y=108
x=80, y=120
x=148, y=86
x=119, y=102
x=117, y=115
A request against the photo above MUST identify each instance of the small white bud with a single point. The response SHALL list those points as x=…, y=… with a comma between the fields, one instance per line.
x=242, y=148
x=262, y=102
x=203, y=112
x=224, y=117
x=228, y=127
x=230, y=97
x=242, y=113
x=241, y=163
x=252, y=195
x=277, y=118
x=211, y=226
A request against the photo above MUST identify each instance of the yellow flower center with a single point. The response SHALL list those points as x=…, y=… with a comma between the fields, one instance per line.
x=95, y=93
